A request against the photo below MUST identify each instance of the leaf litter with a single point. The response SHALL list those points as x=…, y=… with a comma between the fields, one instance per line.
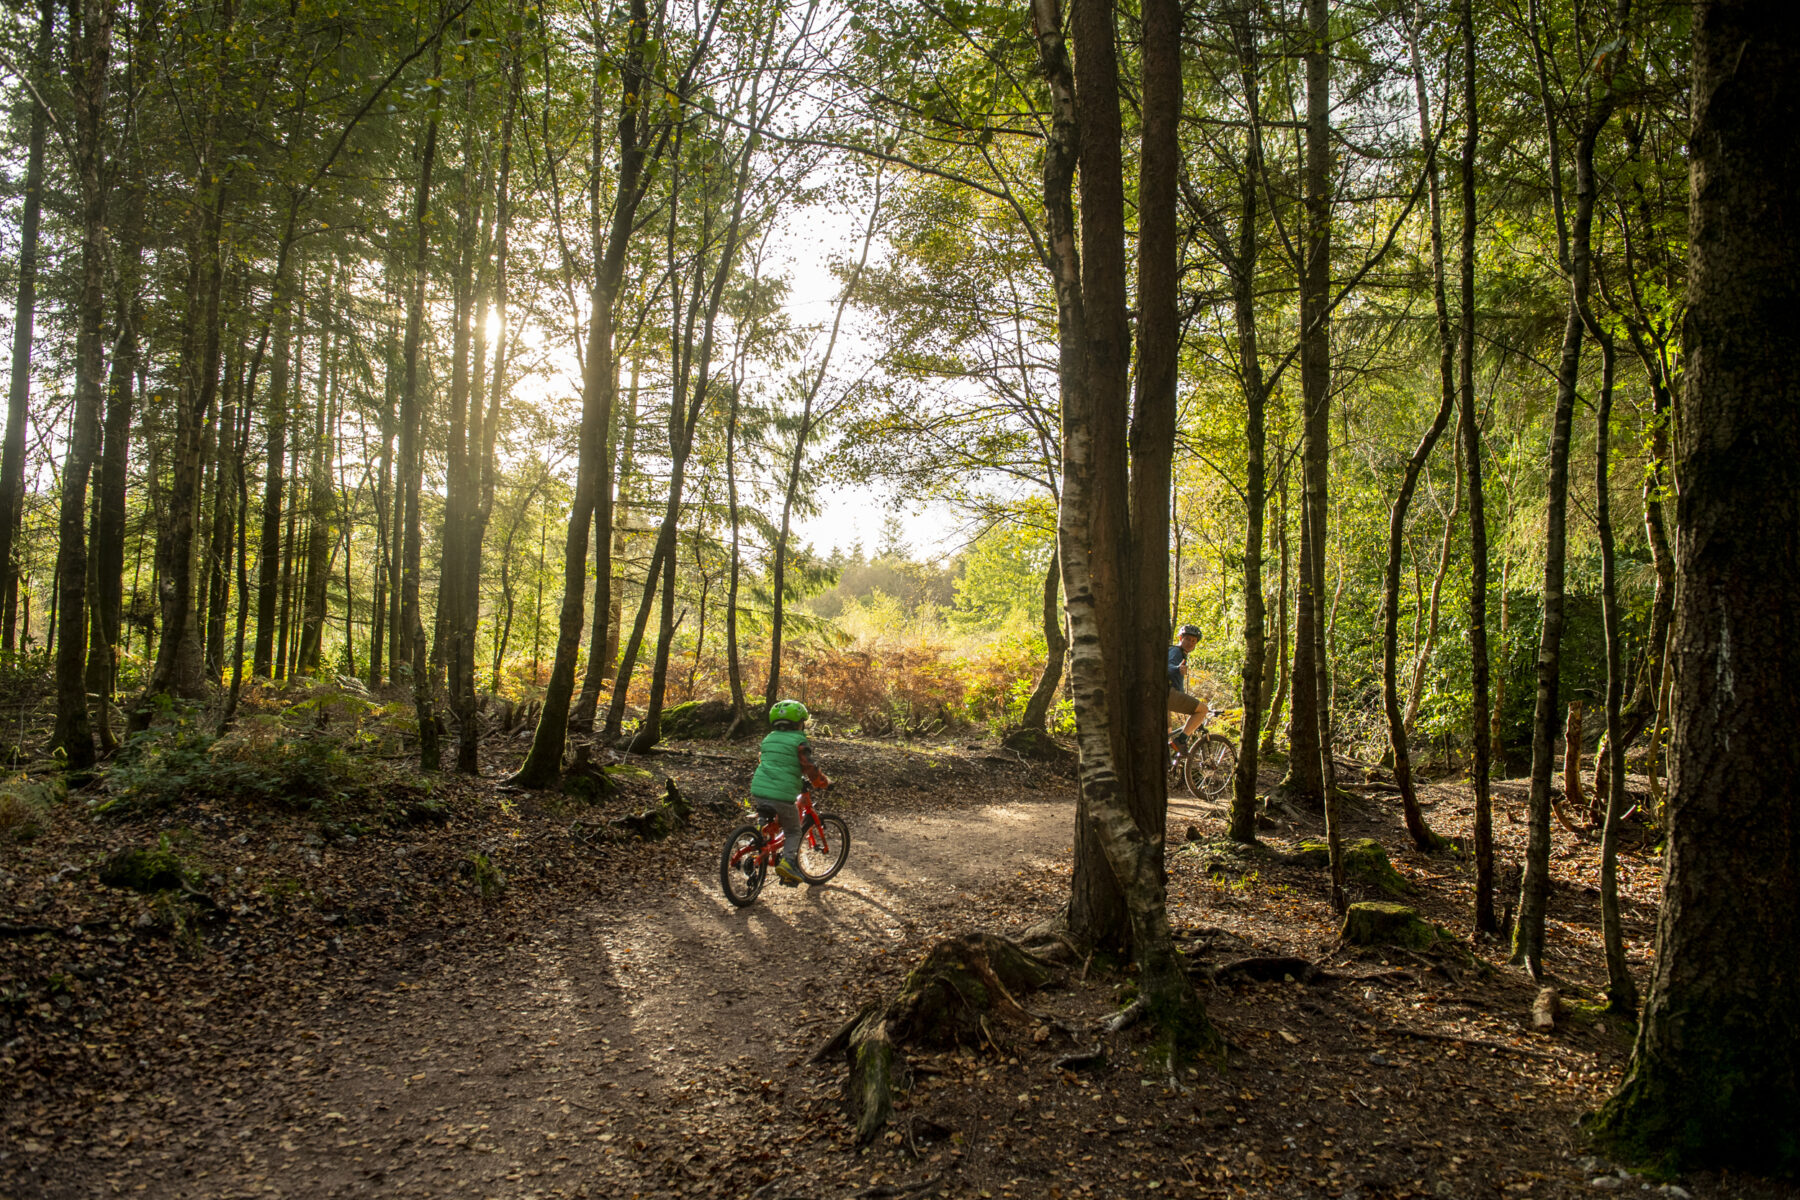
x=331, y=1014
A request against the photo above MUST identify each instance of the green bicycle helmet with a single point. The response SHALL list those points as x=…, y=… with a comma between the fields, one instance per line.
x=788, y=710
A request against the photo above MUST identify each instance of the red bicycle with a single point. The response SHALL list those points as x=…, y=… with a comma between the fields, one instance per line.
x=751, y=850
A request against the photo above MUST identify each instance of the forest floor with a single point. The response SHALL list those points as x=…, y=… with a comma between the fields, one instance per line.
x=357, y=1018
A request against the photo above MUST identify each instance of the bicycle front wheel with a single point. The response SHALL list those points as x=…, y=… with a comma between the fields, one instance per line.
x=1209, y=767
x=741, y=869
x=823, y=849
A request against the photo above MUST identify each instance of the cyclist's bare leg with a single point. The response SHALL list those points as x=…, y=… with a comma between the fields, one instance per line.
x=1194, y=707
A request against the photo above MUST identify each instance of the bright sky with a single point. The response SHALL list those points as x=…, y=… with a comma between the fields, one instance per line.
x=807, y=243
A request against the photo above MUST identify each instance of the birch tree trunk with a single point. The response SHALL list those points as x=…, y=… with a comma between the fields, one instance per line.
x=1119, y=864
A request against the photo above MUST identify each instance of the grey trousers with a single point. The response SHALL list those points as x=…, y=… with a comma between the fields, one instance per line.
x=789, y=815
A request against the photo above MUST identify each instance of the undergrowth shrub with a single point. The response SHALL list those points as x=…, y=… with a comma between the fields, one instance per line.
x=25, y=806
x=922, y=682
x=312, y=753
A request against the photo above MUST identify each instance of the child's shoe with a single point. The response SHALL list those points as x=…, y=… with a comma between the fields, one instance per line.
x=784, y=871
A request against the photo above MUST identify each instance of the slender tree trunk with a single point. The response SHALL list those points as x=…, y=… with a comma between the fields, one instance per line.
x=1242, y=825
x=18, y=402
x=1714, y=1079
x=475, y=535
x=581, y=718
x=734, y=671
x=1281, y=621
x=1469, y=429
x=268, y=566
x=797, y=460
x=320, y=535
x=379, y=594
x=409, y=635
x=1425, y=646
x=1534, y=890
x=1662, y=604
x=1621, y=991
x=218, y=551
x=284, y=657
x=90, y=47
x=179, y=667
x=593, y=486
x=1398, y=727
x=243, y=561
x=1315, y=386
x=108, y=549
x=1496, y=742
x=1056, y=646
x=609, y=600
x=1096, y=904
x=683, y=426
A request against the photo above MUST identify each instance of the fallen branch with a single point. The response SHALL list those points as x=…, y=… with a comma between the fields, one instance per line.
x=1426, y=1035
x=892, y=1191
x=1083, y=1061
x=739, y=759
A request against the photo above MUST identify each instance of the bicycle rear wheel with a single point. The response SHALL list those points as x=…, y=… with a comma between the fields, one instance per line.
x=1209, y=767
x=823, y=849
x=741, y=869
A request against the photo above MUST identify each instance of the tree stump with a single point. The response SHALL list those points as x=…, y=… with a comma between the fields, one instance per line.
x=1544, y=1010
x=1379, y=923
x=1365, y=860
x=655, y=824
x=1572, y=755
x=1036, y=745
x=947, y=1000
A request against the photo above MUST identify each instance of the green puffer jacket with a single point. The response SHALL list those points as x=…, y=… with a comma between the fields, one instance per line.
x=778, y=775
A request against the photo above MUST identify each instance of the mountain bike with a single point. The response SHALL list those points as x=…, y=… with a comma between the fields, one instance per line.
x=751, y=850
x=1205, y=767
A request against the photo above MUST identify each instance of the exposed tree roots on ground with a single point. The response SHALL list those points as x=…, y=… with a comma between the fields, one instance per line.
x=957, y=995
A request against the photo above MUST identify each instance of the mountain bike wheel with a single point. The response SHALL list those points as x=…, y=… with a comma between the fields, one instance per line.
x=1208, y=768
x=823, y=849
x=741, y=869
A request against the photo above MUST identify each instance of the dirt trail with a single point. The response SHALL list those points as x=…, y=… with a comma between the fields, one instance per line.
x=585, y=1058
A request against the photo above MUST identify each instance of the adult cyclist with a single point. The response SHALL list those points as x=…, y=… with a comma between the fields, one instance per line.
x=1179, y=699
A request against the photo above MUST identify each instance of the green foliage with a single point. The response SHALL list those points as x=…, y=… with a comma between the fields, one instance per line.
x=145, y=870
x=490, y=881
x=25, y=805
x=1002, y=580
x=308, y=757
x=1365, y=861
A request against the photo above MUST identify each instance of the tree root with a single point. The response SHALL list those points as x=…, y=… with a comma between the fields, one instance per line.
x=1126, y=1017
x=946, y=1001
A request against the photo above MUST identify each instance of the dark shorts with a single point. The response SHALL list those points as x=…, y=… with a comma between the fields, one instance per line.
x=1181, y=702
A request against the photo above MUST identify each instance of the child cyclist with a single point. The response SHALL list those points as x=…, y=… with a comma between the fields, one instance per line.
x=782, y=772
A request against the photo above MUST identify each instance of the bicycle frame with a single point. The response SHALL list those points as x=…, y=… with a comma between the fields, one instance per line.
x=774, y=838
